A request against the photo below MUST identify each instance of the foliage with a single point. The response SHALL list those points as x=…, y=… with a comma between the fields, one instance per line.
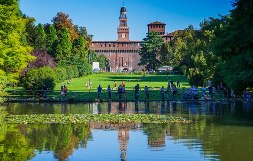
x=191, y=53
x=61, y=74
x=14, y=54
x=150, y=49
x=35, y=79
x=3, y=81
x=42, y=59
x=86, y=118
x=30, y=30
x=61, y=20
x=165, y=54
x=40, y=37
x=51, y=40
x=64, y=46
x=94, y=57
x=234, y=45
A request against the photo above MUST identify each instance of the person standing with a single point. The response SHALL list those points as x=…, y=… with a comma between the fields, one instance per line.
x=146, y=92
x=65, y=90
x=178, y=84
x=99, y=91
x=120, y=91
x=136, y=91
x=162, y=92
x=89, y=85
x=115, y=84
x=109, y=90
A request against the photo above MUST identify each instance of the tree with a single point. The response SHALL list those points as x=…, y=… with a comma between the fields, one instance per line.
x=51, y=40
x=64, y=46
x=30, y=30
x=40, y=38
x=61, y=20
x=233, y=43
x=150, y=49
x=14, y=54
x=165, y=54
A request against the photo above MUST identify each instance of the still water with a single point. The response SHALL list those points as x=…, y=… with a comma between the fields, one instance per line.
x=220, y=131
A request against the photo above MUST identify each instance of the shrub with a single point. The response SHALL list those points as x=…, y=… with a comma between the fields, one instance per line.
x=42, y=59
x=61, y=74
x=35, y=79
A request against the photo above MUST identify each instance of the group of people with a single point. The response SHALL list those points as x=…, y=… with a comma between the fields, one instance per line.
x=207, y=91
x=64, y=90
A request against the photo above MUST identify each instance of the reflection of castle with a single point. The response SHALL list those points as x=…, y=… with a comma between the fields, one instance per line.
x=123, y=54
x=155, y=138
x=123, y=134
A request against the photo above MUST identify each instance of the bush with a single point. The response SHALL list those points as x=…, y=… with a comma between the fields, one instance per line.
x=72, y=72
x=43, y=59
x=84, y=69
x=61, y=74
x=35, y=79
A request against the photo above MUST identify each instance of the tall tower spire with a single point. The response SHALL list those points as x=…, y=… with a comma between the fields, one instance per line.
x=123, y=30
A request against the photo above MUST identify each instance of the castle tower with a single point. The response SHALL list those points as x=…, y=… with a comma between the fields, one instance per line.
x=123, y=30
x=157, y=27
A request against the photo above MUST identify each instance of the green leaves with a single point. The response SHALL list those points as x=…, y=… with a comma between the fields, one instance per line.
x=14, y=55
x=150, y=50
x=83, y=118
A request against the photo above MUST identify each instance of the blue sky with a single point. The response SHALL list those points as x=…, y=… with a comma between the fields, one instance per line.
x=101, y=17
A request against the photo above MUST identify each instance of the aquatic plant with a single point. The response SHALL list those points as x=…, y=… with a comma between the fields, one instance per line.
x=86, y=118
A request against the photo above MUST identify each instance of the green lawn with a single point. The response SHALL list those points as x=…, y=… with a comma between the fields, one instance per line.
x=77, y=91
x=105, y=79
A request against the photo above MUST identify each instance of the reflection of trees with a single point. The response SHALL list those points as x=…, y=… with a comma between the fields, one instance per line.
x=13, y=145
x=60, y=138
x=156, y=133
x=20, y=141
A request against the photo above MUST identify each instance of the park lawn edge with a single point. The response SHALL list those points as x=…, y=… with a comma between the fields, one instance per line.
x=89, y=118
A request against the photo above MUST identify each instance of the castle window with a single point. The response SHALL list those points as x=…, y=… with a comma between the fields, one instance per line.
x=123, y=23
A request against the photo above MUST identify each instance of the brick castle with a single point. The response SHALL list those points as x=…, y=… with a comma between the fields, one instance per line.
x=123, y=54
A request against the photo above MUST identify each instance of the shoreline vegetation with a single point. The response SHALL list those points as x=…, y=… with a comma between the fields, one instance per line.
x=91, y=118
x=79, y=92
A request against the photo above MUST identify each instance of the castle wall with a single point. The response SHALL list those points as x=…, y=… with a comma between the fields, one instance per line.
x=121, y=55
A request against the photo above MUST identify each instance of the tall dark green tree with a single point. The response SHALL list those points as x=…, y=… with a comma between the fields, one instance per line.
x=150, y=50
x=51, y=40
x=30, y=30
x=165, y=54
x=40, y=38
x=235, y=46
x=64, y=46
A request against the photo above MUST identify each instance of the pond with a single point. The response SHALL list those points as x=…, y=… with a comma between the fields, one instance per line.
x=219, y=131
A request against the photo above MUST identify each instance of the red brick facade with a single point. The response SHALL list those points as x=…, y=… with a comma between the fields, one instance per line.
x=123, y=54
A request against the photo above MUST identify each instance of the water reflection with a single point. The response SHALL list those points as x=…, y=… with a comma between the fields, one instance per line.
x=219, y=132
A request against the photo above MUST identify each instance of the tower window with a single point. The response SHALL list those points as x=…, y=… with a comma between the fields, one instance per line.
x=123, y=23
